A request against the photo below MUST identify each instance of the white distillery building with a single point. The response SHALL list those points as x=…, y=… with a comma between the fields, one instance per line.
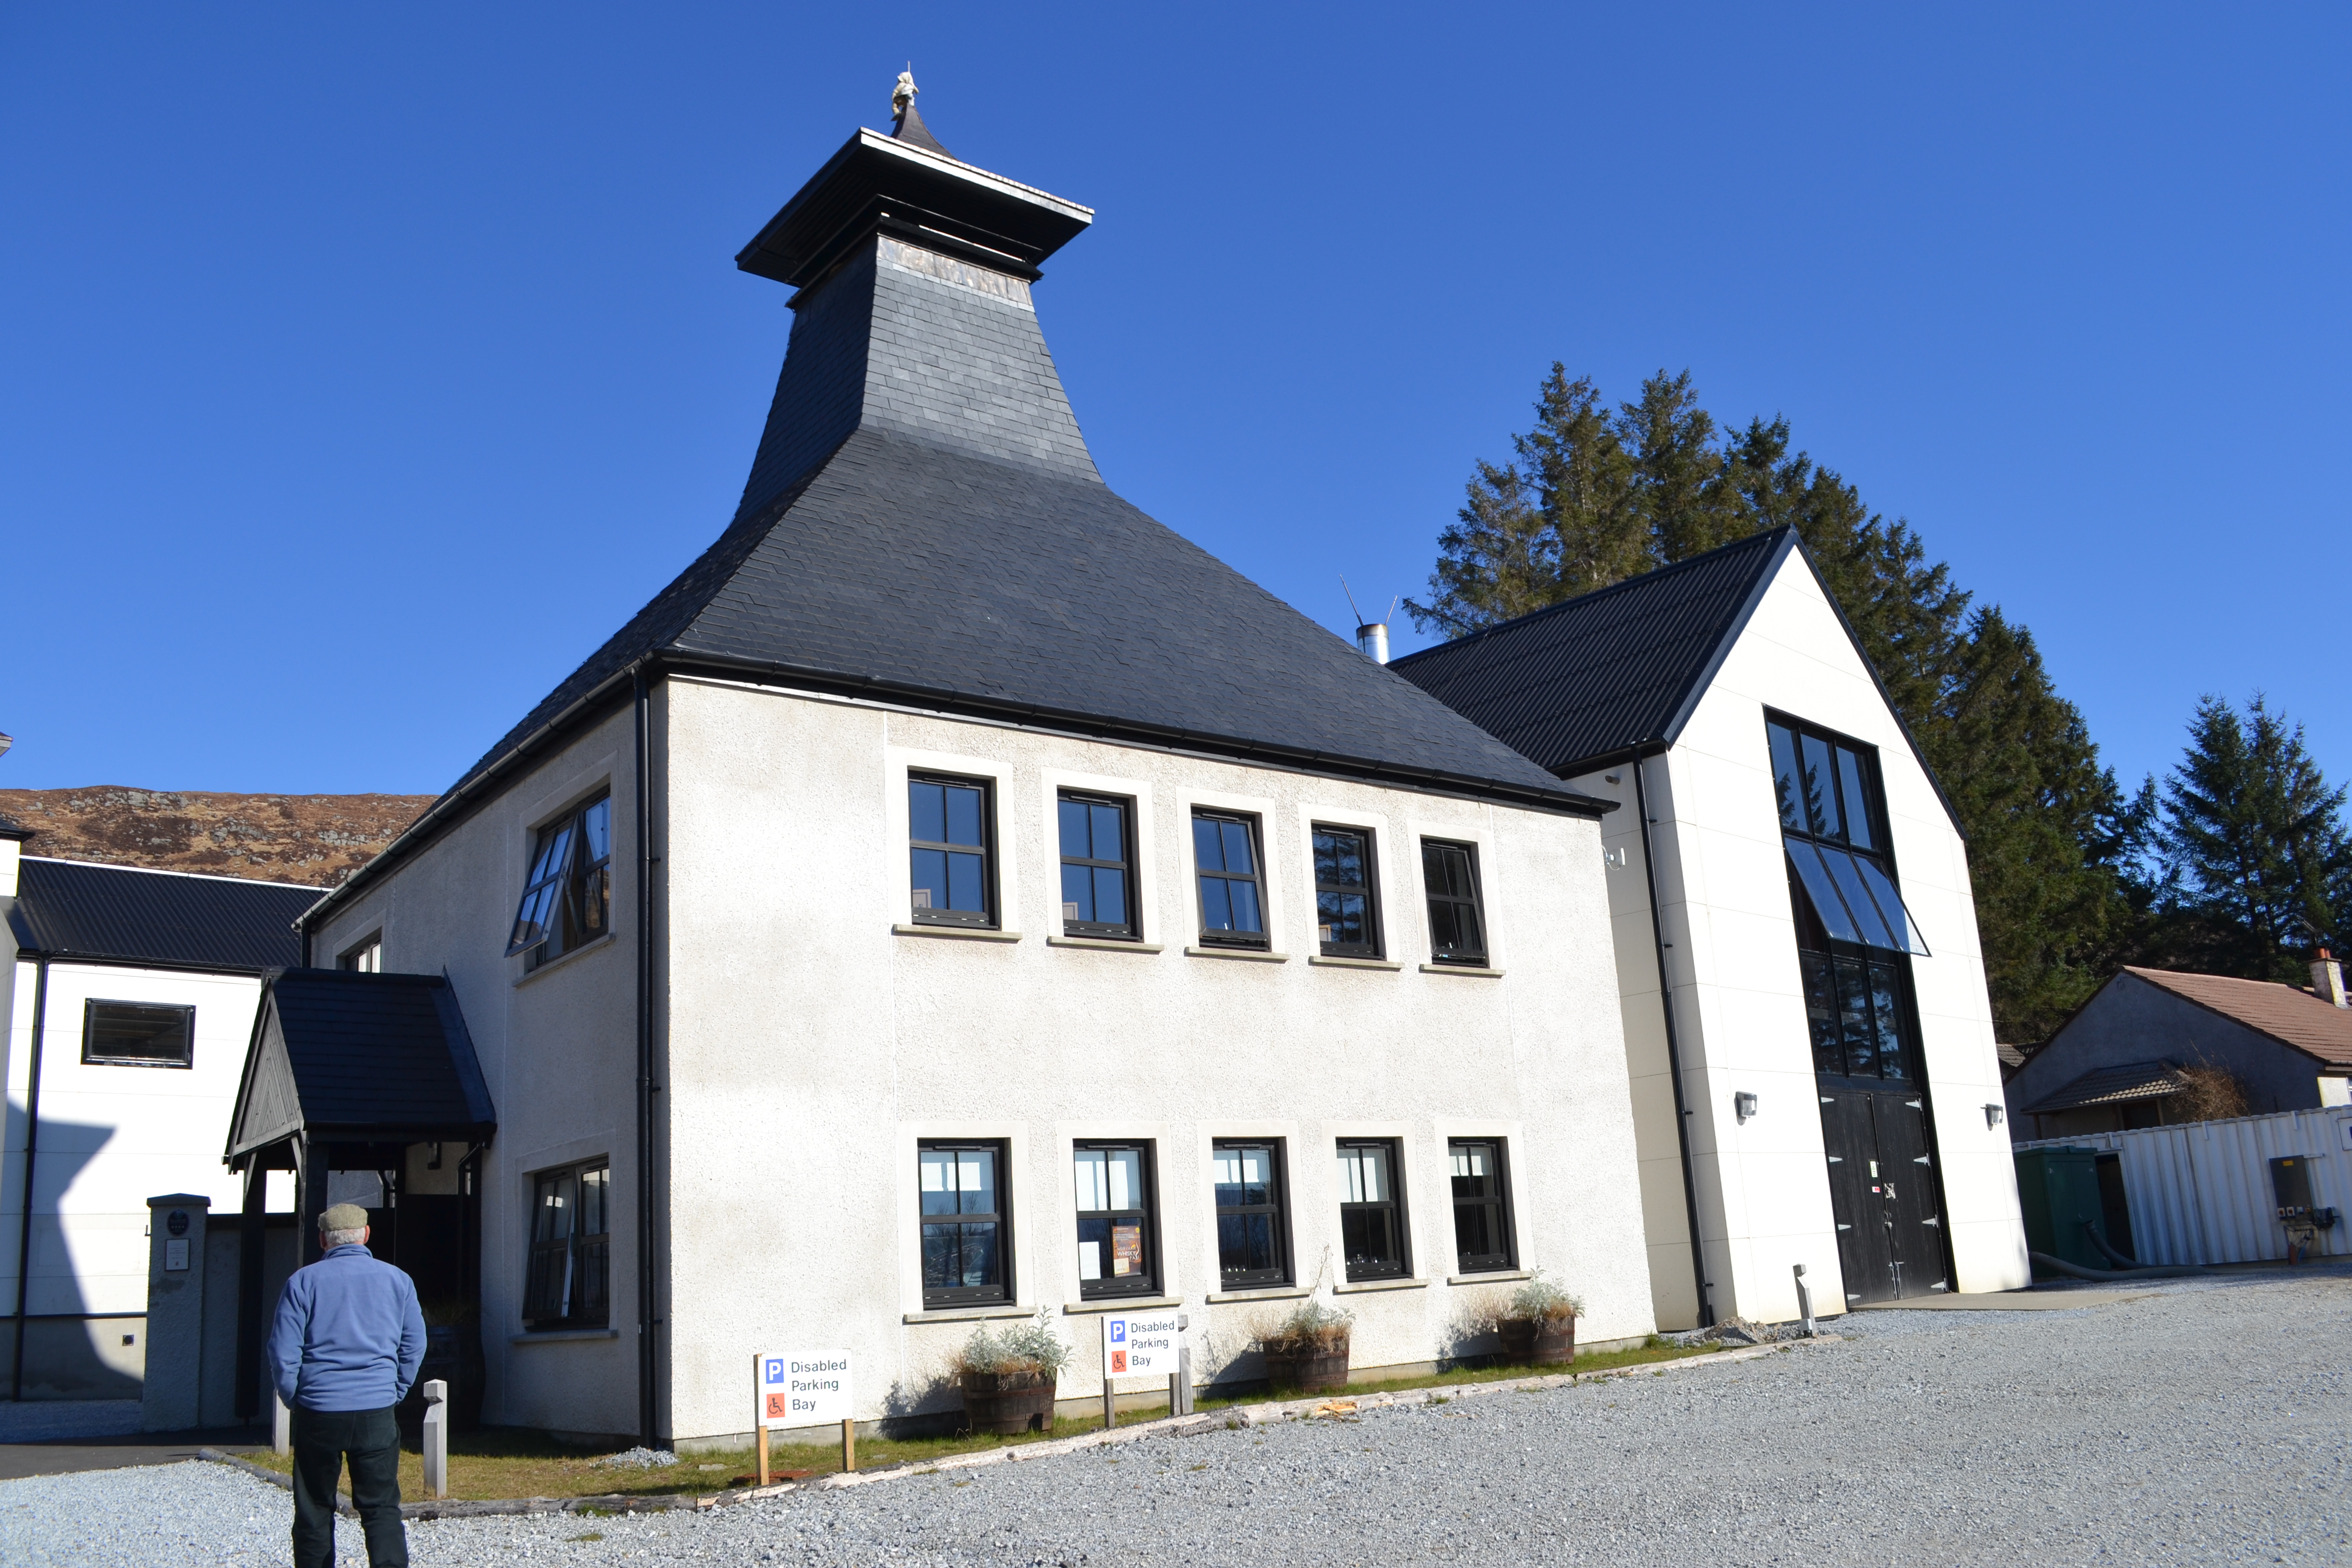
x=130, y=996
x=1808, y=1033
x=956, y=895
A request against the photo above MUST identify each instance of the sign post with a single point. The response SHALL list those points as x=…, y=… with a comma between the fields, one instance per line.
x=803, y=1388
x=1142, y=1344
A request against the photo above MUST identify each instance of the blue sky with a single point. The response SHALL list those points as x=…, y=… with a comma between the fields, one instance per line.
x=361, y=369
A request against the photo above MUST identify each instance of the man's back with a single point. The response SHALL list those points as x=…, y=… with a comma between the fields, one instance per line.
x=348, y=1334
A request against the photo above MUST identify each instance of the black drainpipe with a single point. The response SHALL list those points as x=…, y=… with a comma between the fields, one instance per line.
x=648, y=1324
x=32, y=1146
x=1674, y=1048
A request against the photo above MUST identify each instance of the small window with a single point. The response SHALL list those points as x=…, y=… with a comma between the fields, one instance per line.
x=1098, y=857
x=951, y=880
x=367, y=958
x=568, y=1281
x=1371, y=1211
x=138, y=1035
x=1253, y=1248
x=1346, y=913
x=1457, y=928
x=1233, y=903
x=1115, y=1231
x=1482, y=1214
x=966, y=1218
x=568, y=902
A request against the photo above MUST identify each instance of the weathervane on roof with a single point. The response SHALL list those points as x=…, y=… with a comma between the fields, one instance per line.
x=902, y=97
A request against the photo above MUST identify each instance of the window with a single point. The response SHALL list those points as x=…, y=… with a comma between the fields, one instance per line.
x=1252, y=1248
x=1097, y=854
x=1347, y=914
x=1115, y=1240
x=567, y=1282
x=365, y=959
x=1457, y=932
x=1482, y=1214
x=138, y=1035
x=948, y=838
x=1371, y=1212
x=1233, y=904
x=568, y=902
x=966, y=1218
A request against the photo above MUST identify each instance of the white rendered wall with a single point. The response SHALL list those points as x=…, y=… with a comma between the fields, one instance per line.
x=1763, y=1189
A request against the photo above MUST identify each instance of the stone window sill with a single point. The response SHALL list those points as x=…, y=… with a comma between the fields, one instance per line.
x=1120, y=1304
x=552, y=964
x=557, y=1336
x=1104, y=944
x=1475, y=974
x=1353, y=1286
x=1253, y=954
x=1496, y=1277
x=969, y=1314
x=966, y=933
x=1352, y=963
x=1271, y=1293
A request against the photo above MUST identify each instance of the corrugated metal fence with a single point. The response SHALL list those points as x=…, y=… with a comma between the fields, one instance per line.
x=2200, y=1192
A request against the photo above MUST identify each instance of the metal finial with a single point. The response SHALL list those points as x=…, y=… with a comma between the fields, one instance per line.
x=903, y=95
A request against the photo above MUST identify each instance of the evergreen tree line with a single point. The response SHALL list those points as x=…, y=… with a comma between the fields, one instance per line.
x=2239, y=863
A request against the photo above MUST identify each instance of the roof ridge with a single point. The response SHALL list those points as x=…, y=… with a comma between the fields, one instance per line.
x=167, y=871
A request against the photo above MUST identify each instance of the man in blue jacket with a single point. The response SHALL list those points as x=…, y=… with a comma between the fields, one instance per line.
x=344, y=1348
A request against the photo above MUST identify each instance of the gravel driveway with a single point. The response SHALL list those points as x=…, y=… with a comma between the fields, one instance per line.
x=2207, y=1423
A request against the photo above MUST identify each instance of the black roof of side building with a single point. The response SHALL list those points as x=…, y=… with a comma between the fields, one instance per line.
x=924, y=525
x=74, y=911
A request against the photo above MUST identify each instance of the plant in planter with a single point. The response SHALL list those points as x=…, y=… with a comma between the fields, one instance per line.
x=1307, y=1350
x=1008, y=1377
x=1539, y=1327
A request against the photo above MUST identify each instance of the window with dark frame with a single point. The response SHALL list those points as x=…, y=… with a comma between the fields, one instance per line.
x=1372, y=1209
x=568, y=1281
x=1457, y=924
x=367, y=958
x=1116, y=1251
x=567, y=902
x=1482, y=1243
x=1225, y=860
x=1098, y=865
x=138, y=1035
x=950, y=877
x=1252, y=1241
x=1347, y=910
x=967, y=1223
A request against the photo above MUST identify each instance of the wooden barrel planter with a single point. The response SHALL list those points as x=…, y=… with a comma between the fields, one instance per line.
x=1538, y=1342
x=1308, y=1369
x=1008, y=1402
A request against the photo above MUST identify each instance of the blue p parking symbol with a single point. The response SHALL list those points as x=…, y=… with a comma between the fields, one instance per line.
x=775, y=1369
x=1118, y=1331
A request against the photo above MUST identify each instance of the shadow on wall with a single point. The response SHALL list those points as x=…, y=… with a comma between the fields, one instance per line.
x=66, y=1353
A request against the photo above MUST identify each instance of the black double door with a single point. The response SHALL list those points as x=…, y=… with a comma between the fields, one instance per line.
x=1884, y=1193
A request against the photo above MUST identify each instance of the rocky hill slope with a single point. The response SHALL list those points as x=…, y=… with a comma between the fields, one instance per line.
x=314, y=839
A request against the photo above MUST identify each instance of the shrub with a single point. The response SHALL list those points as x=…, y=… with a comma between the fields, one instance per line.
x=1033, y=1346
x=1311, y=1326
x=1541, y=1300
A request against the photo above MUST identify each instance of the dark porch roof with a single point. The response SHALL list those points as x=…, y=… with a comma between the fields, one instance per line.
x=345, y=1057
x=2114, y=1086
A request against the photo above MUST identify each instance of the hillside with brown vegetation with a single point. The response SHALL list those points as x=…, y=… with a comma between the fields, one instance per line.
x=314, y=839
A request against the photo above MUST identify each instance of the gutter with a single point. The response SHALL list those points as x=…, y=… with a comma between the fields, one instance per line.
x=1674, y=1045
x=32, y=1147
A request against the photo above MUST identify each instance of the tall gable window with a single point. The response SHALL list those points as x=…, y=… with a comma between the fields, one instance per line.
x=1097, y=865
x=1225, y=856
x=951, y=880
x=568, y=902
x=1457, y=927
x=1347, y=910
x=138, y=1035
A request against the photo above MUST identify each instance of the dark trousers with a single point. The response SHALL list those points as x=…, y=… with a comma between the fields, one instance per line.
x=372, y=1440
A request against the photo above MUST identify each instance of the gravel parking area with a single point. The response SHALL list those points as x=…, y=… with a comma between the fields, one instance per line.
x=2206, y=1423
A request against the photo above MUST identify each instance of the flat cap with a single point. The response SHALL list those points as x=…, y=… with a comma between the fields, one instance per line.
x=343, y=1216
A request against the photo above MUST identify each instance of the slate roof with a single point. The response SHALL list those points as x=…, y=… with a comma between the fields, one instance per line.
x=2285, y=1012
x=75, y=910
x=1609, y=672
x=2114, y=1086
x=354, y=1058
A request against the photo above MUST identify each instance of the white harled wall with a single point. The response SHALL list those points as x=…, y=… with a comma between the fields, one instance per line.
x=1763, y=1190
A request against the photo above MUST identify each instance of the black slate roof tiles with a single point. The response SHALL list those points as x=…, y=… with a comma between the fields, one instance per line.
x=368, y=1057
x=124, y=914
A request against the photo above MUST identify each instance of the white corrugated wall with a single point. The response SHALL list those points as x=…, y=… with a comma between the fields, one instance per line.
x=2200, y=1192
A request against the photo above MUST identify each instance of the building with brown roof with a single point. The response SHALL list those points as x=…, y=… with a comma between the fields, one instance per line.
x=2128, y=1058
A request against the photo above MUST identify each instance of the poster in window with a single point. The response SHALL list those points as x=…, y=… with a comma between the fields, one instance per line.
x=1125, y=1250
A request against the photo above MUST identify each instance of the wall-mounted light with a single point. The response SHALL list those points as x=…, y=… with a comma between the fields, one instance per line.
x=1993, y=1115
x=1743, y=1105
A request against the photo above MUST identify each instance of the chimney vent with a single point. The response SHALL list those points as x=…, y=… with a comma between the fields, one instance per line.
x=1371, y=637
x=2328, y=979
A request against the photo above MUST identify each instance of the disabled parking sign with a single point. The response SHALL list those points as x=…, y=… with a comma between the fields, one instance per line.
x=803, y=1388
x=1140, y=1345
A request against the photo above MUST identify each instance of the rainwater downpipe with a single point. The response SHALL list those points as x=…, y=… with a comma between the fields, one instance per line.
x=648, y=1324
x=32, y=1145
x=1674, y=1048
